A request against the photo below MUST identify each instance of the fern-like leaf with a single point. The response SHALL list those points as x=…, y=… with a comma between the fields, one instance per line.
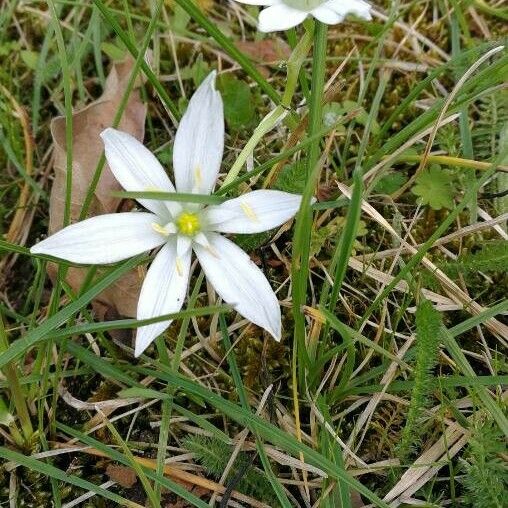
x=428, y=331
x=214, y=455
x=493, y=257
x=486, y=478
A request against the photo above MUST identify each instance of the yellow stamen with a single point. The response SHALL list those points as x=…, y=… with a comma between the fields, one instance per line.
x=160, y=229
x=188, y=224
x=249, y=212
x=198, y=176
x=179, y=266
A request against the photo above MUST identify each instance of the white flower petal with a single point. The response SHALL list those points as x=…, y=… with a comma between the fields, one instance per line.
x=240, y=283
x=280, y=17
x=103, y=239
x=183, y=245
x=359, y=8
x=137, y=169
x=199, y=142
x=260, y=2
x=253, y=212
x=163, y=292
x=201, y=239
x=327, y=15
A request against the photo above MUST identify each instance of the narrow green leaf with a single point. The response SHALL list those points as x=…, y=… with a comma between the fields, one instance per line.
x=115, y=455
x=132, y=47
x=22, y=345
x=63, y=476
x=460, y=359
x=179, y=197
x=256, y=424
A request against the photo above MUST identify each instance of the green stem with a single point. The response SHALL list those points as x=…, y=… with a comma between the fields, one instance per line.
x=66, y=77
x=294, y=65
x=465, y=131
x=302, y=236
x=140, y=472
x=266, y=125
x=17, y=393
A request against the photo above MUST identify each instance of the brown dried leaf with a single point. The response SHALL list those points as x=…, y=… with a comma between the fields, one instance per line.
x=87, y=148
x=123, y=475
x=265, y=50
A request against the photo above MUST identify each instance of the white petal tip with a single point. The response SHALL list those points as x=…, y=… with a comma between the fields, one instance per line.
x=39, y=248
x=263, y=27
x=106, y=132
x=210, y=80
x=144, y=337
x=276, y=336
x=141, y=344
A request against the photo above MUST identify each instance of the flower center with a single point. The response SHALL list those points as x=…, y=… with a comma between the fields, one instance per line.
x=188, y=224
x=304, y=5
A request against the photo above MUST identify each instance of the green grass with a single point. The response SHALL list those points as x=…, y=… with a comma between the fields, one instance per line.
x=383, y=355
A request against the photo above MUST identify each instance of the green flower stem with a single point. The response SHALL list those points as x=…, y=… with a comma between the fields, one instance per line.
x=132, y=47
x=302, y=235
x=304, y=82
x=266, y=125
x=294, y=65
x=17, y=393
x=244, y=400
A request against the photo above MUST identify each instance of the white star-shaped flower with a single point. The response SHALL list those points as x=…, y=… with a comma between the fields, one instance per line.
x=180, y=228
x=285, y=14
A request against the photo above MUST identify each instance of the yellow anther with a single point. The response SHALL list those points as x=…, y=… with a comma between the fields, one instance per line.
x=179, y=266
x=160, y=229
x=249, y=212
x=188, y=224
x=198, y=176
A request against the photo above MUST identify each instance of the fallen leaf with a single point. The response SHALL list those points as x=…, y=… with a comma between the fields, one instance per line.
x=87, y=148
x=265, y=50
x=123, y=475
